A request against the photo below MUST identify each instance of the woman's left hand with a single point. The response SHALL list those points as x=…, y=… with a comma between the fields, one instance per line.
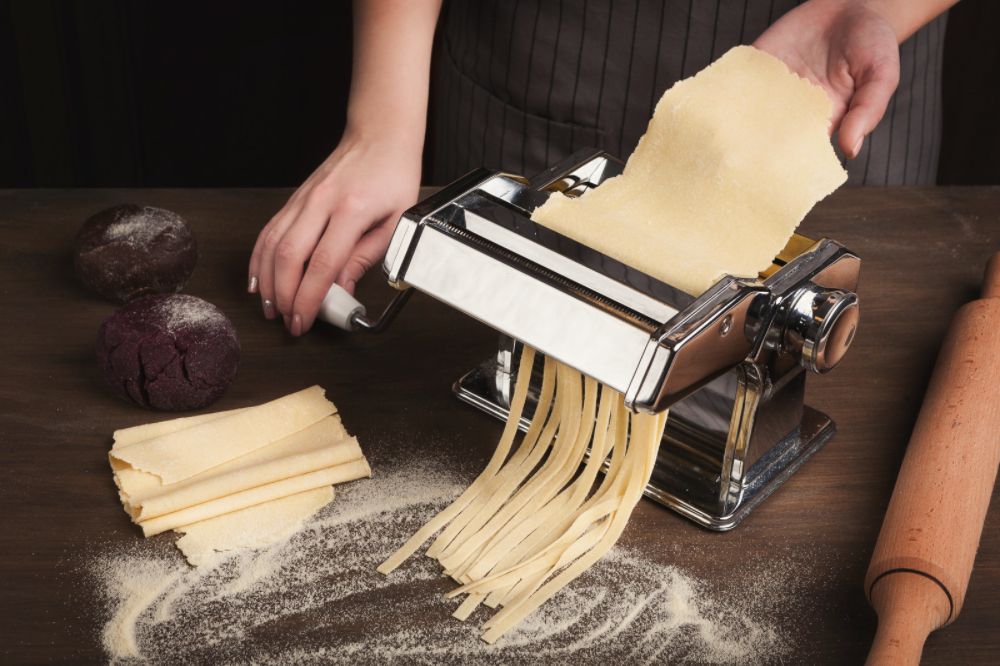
x=851, y=50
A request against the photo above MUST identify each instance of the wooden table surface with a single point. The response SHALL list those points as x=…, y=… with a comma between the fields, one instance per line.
x=923, y=252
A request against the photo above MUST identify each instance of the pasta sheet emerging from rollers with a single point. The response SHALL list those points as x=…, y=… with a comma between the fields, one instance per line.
x=733, y=160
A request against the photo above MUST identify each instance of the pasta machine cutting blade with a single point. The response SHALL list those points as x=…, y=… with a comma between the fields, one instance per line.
x=730, y=363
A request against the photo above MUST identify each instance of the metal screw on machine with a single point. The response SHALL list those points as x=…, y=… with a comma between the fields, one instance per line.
x=820, y=325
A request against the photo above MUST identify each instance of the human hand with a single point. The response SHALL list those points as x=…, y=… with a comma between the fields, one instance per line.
x=848, y=48
x=335, y=227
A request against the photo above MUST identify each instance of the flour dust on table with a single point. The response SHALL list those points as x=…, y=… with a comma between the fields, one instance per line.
x=317, y=598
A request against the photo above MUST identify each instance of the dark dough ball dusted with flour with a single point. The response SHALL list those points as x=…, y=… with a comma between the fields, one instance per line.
x=129, y=250
x=168, y=351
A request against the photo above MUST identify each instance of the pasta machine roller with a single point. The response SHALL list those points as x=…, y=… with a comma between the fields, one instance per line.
x=730, y=364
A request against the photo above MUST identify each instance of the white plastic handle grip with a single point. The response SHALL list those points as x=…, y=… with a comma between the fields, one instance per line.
x=339, y=307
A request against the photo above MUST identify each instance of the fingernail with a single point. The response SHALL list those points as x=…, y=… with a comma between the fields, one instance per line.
x=297, y=325
x=268, y=308
x=252, y=286
x=857, y=148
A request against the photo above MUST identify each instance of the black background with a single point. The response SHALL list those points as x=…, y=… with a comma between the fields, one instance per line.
x=225, y=93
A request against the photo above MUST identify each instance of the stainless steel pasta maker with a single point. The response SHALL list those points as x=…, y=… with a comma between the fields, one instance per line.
x=730, y=364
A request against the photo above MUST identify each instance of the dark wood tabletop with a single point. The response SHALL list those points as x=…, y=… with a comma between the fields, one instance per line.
x=923, y=253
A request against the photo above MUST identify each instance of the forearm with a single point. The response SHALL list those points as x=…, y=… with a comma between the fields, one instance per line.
x=391, y=69
x=908, y=16
x=905, y=16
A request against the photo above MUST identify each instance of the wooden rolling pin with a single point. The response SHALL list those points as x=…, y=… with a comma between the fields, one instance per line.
x=923, y=558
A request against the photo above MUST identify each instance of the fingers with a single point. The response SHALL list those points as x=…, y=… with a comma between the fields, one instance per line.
x=348, y=223
x=867, y=106
x=253, y=272
x=318, y=236
x=253, y=269
x=368, y=252
x=294, y=249
x=281, y=219
x=364, y=254
x=262, y=262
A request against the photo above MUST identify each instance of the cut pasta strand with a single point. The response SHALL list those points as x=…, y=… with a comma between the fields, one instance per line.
x=538, y=517
x=499, y=456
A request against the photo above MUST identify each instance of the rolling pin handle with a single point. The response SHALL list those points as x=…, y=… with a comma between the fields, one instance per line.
x=903, y=626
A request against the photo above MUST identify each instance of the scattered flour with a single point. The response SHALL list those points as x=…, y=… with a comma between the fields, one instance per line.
x=140, y=228
x=317, y=598
x=183, y=311
x=135, y=589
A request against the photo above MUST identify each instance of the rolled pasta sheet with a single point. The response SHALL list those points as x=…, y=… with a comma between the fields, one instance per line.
x=180, y=454
x=271, y=484
x=321, y=445
x=330, y=476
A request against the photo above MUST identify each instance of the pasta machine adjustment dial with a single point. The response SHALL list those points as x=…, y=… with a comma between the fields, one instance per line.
x=820, y=325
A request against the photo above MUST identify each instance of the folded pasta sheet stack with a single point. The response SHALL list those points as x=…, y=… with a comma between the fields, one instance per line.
x=243, y=478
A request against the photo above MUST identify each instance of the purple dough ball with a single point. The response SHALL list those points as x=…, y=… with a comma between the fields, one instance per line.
x=169, y=352
x=128, y=251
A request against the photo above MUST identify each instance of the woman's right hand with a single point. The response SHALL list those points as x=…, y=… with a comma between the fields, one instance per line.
x=338, y=224
x=335, y=227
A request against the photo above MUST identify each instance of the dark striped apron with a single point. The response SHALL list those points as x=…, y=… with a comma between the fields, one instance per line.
x=520, y=84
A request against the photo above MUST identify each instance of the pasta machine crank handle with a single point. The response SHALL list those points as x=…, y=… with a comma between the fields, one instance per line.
x=348, y=313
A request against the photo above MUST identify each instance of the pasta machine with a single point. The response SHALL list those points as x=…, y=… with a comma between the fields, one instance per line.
x=730, y=364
